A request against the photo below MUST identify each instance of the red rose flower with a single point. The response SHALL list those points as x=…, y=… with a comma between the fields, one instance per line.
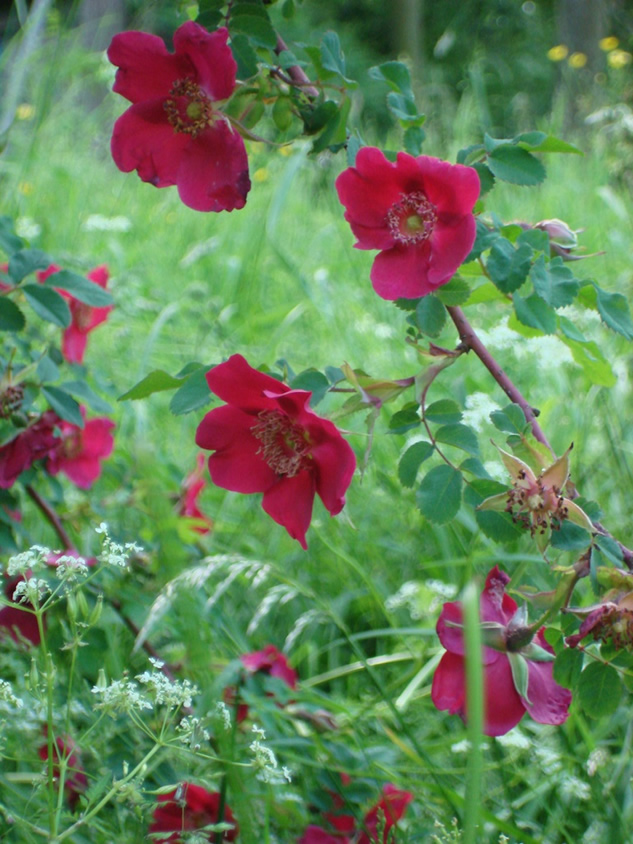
x=267, y=661
x=33, y=443
x=75, y=779
x=192, y=486
x=544, y=699
x=190, y=807
x=83, y=317
x=80, y=451
x=392, y=805
x=417, y=211
x=266, y=439
x=173, y=133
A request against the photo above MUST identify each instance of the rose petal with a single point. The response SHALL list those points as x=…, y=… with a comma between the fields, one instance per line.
x=211, y=56
x=236, y=382
x=289, y=502
x=401, y=272
x=146, y=68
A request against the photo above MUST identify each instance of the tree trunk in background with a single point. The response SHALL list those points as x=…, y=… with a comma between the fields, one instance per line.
x=408, y=33
x=581, y=25
x=100, y=20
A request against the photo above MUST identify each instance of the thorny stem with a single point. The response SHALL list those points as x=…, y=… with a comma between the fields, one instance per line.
x=472, y=343
x=296, y=73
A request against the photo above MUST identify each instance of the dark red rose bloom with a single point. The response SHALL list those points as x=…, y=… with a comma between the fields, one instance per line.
x=546, y=701
x=611, y=621
x=84, y=318
x=392, y=805
x=75, y=779
x=266, y=439
x=79, y=451
x=417, y=211
x=33, y=443
x=190, y=807
x=174, y=133
x=192, y=486
x=18, y=623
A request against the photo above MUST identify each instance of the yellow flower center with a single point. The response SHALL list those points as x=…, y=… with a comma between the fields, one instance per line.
x=285, y=446
x=412, y=219
x=189, y=110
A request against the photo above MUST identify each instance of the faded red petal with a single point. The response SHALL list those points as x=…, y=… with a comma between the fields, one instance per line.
x=211, y=56
x=270, y=661
x=144, y=140
x=236, y=382
x=236, y=464
x=448, y=690
x=289, y=502
x=495, y=603
x=190, y=807
x=549, y=702
x=213, y=170
x=318, y=835
x=335, y=463
x=503, y=708
x=146, y=68
x=402, y=272
x=393, y=805
x=80, y=452
x=74, y=344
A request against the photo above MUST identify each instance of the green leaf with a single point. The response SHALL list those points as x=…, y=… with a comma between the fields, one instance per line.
x=47, y=370
x=535, y=313
x=594, y=364
x=245, y=56
x=484, y=239
x=570, y=330
x=539, y=142
x=430, y=315
x=486, y=179
x=508, y=267
x=316, y=118
x=26, y=261
x=554, y=282
x=456, y=292
x=460, y=436
x=516, y=165
x=405, y=419
x=64, y=405
x=395, y=74
x=444, y=412
x=334, y=133
x=313, y=381
x=439, y=494
x=599, y=690
x=9, y=241
x=81, y=288
x=413, y=139
x=157, y=381
x=537, y=239
x=47, y=304
x=610, y=549
x=510, y=419
x=494, y=524
x=11, y=317
x=332, y=57
x=474, y=466
x=568, y=667
x=81, y=390
x=411, y=461
x=258, y=28
x=614, y=310
x=193, y=394
x=404, y=109
x=570, y=537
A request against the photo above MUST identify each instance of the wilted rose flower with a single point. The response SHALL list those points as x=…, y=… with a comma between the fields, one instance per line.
x=417, y=211
x=79, y=451
x=75, y=779
x=392, y=805
x=84, y=318
x=31, y=444
x=266, y=439
x=610, y=621
x=174, y=133
x=191, y=807
x=192, y=486
x=537, y=502
x=517, y=670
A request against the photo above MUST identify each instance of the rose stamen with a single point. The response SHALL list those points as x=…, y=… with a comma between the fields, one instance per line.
x=412, y=219
x=190, y=111
x=284, y=445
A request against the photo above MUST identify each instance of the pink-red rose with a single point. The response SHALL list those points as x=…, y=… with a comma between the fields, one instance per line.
x=546, y=701
x=84, y=318
x=417, y=212
x=191, y=807
x=174, y=133
x=79, y=451
x=31, y=444
x=268, y=661
x=192, y=486
x=266, y=439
